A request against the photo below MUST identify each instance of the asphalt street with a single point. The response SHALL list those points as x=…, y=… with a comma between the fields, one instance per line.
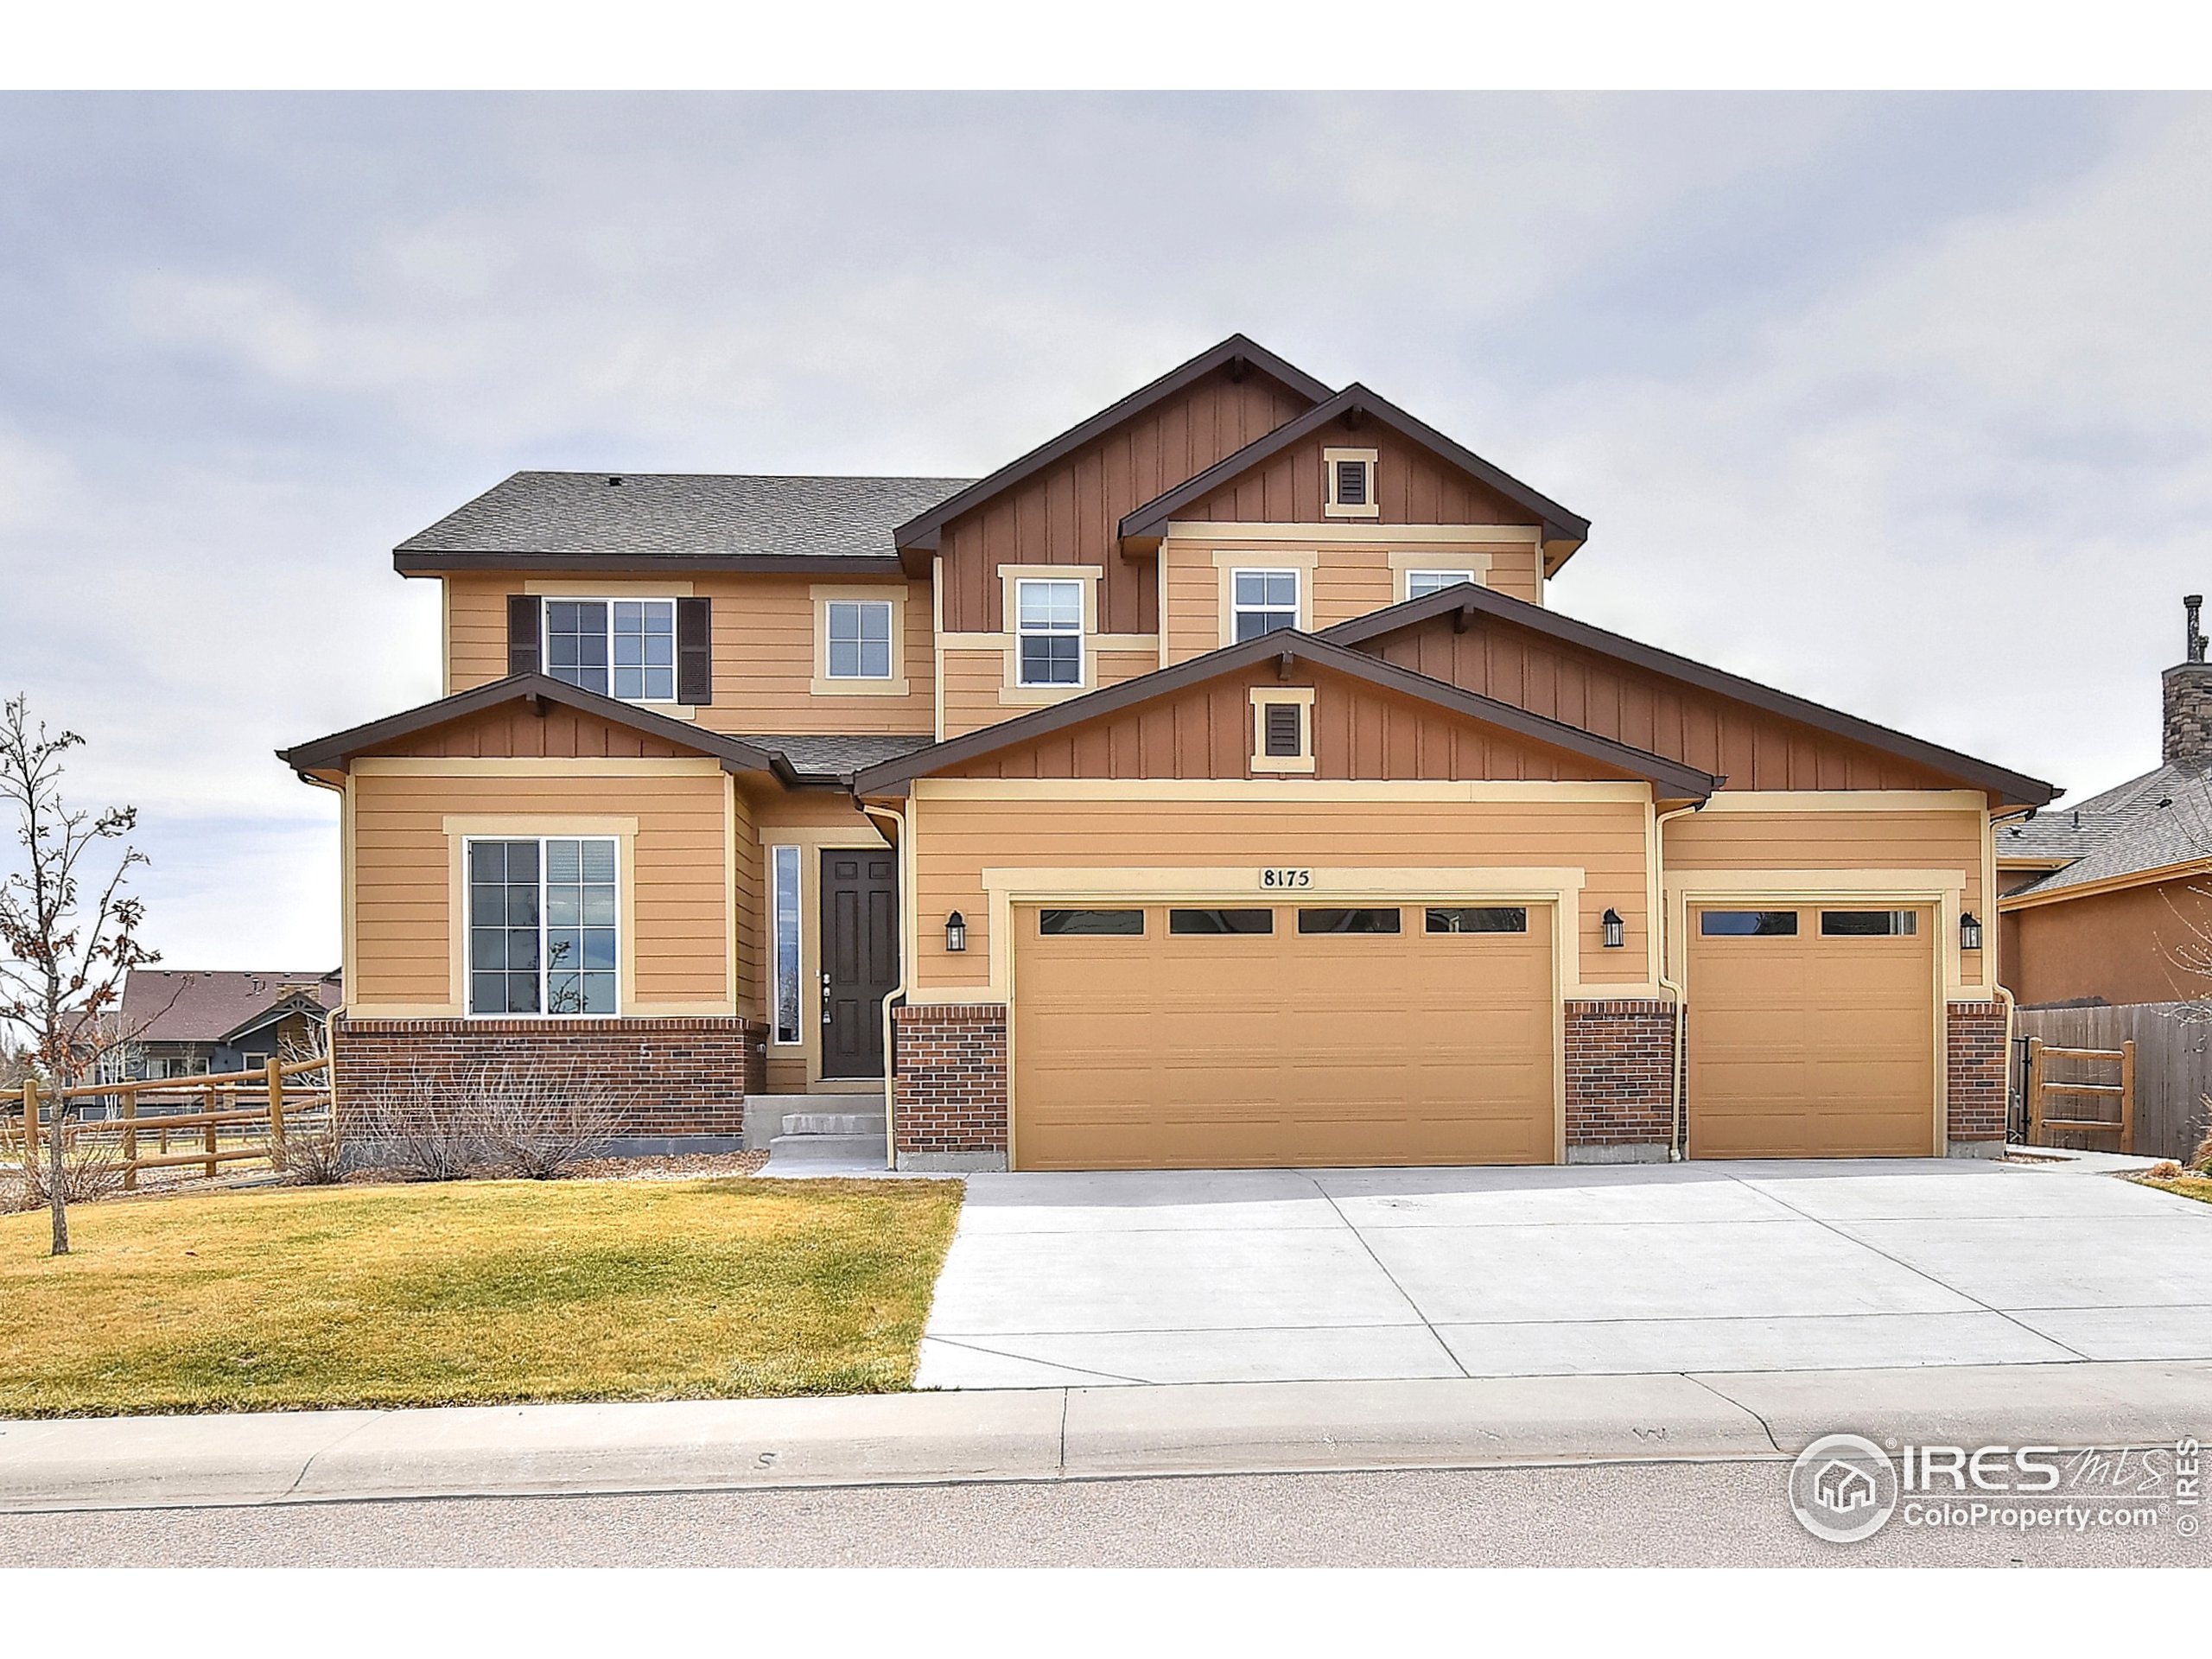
x=1648, y=1515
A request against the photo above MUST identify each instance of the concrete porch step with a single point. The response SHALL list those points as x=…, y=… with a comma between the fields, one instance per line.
x=786, y=1150
x=834, y=1122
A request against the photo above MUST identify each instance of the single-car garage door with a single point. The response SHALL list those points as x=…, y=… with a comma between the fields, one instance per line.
x=1812, y=1033
x=1173, y=1037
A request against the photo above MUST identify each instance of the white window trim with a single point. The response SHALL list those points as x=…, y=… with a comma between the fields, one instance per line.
x=1297, y=597
x=775, y=956
x=1078, y=633
x=545, y=603
x=1331, y=507
x=1265, y=697
x=468, y=925
x=890, y=634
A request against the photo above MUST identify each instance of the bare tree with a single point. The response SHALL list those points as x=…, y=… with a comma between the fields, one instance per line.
x=68, y=926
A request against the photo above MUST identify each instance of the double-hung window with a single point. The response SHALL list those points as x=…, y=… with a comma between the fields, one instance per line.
x=1422, y=584
x=1048, y=632
x=543, y=936
x=617, y=647
x=1263, y=600
x=859, y=639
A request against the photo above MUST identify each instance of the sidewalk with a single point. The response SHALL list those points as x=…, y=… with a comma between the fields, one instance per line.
x=1046, y=1434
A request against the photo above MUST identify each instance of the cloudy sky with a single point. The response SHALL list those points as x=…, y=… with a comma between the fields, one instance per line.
x=1904, y=404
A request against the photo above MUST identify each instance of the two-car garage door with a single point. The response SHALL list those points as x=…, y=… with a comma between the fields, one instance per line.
x=1157, y=1036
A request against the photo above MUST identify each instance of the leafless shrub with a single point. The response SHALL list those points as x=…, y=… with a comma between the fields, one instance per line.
x=2201, y=1157
x=91, y=1165
x=521, y=1122
x=313, y=1156
x=539, y=1125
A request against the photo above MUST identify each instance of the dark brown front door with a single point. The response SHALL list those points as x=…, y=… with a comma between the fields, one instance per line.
x=860, y=959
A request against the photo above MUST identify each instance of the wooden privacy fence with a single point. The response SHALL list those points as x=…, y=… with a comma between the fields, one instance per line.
x=2062, y=1106
x=2172, y=1075
x=241, y=1116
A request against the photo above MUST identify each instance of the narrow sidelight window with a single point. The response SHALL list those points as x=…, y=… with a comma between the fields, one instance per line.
x=859, y=639
x=620, y=648
x=1126, y=923
x=1348, y=921
x=1766, y=923
x=1869, y=924
x=542, y=932
x=783, y=897
x=1221, y=921
x=1466, y=918
x=1262, y=602
x=1048, y=627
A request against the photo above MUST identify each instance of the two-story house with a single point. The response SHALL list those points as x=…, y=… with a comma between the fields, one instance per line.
x=1212, y=786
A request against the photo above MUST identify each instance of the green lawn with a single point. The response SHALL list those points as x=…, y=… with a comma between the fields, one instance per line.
x=476, y=1292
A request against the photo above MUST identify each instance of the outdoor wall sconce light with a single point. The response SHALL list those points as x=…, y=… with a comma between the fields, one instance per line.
x=1969, y=932
x=956, y=932
x=1616, y=930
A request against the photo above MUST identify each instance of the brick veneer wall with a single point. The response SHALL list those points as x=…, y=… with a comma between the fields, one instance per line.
x=1620, y=1073
x=1977, y=1065
x=949, y=1095
x=675, y=1077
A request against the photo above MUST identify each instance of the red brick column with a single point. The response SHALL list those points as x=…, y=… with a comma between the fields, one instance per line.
x=672, y=1079
x=948, y=1098
x=1977, y=1063
x=1620, y=1080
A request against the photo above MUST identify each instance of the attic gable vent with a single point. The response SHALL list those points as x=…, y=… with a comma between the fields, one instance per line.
x=1286, y=724
x=1351, y=484
x=1349, y=475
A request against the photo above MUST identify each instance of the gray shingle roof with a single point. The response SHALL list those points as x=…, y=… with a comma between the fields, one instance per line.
x=684, y=515
x=838, y=756
x=2162, y=818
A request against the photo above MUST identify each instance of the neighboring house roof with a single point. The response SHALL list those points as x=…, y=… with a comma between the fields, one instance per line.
x=920, y=532
x=335, y=751
x=2146, y=827
x=1149, y=522
x=894, y=775
x=177, y=1005
x=2012, y=786
x=640, y=521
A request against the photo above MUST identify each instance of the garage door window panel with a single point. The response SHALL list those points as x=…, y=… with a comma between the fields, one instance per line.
x=1869, y=924
x=1348, y=921
x=1748, y=924
x=1221, y=921
x=1115, y=924
x=1477, y=918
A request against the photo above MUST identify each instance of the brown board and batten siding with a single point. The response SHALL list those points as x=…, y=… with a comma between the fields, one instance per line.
x=1360, y=732
x=959, y=836
x=1749, y=746
x=1411, y=487
x=763, y=645
x=1070, y=511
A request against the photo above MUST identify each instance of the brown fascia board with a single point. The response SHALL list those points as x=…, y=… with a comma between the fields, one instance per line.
x=337, y=751
x=1148, y=523
x=2014, y=787
x=417, y=562
x=892, y=777
x=918, y=535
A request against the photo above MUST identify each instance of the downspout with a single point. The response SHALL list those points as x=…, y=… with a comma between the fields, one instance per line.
x=892, y=998
x=1681, y=996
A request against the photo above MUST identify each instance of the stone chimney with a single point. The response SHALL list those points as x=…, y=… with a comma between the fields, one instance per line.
x=2188, y=687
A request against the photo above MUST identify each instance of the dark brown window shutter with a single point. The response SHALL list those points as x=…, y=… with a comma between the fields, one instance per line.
x=525, y=636
x=1284, y=735
x=695, y=650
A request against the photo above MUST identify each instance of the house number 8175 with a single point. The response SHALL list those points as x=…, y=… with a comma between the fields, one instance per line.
x=1286, y=878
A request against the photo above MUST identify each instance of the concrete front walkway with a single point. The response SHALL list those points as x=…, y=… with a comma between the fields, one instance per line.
x=1307, y=1275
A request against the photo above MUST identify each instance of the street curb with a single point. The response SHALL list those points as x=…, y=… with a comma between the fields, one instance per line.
x=1052, y=1434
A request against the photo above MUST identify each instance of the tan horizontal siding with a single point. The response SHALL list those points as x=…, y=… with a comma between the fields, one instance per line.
x=1831, y=841
x=960, y=839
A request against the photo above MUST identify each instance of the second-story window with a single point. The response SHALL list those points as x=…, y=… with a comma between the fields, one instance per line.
x=1048, y=627
x=859, y=639
x=1422, y=584
x=1263, y=601
x=621, y=647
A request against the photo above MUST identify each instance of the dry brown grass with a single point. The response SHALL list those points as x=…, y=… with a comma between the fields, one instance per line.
x=472, y=1293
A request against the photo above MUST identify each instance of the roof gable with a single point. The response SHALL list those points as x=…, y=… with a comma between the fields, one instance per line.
x=1350, y=411
x=1210, y=733
x=1438, y=635
x=531, y=714
x=919, y=536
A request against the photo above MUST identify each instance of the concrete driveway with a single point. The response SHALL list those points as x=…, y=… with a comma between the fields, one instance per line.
x=1285, y=1275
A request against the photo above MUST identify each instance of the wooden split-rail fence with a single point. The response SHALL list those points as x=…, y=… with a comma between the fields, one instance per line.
x=242, y=1116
